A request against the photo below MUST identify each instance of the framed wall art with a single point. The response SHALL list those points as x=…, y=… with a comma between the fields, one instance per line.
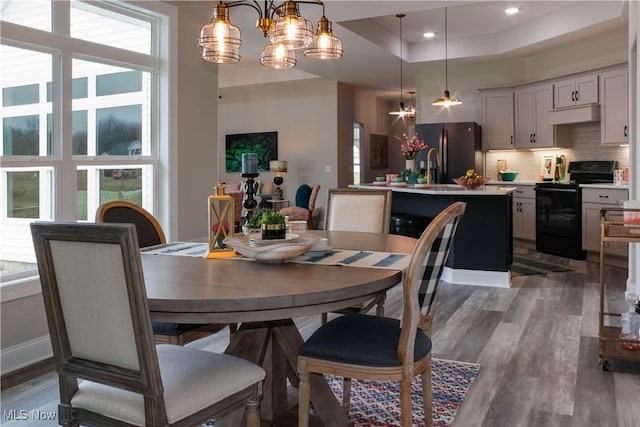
x=547, y=167
x=379, y=149
x=264, y=144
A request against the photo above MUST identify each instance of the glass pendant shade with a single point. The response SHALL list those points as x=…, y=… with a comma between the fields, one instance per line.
x=220, y=39
x=278, y=56
x=324, y=44
x=291, y=29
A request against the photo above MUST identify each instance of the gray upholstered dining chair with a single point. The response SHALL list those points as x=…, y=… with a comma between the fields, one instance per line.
x=398, y=349
x=98, y=316
x=367, y=211
x=150, y=233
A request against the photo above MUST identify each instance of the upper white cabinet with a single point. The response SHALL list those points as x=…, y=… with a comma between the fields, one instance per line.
x=576, y=91
x=614, y=106
x=532, y=128
x=497, y=119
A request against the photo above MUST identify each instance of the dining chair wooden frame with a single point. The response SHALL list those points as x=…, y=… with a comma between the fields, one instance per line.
x=363, y=202
x=400, y=349
x=92, y=278
x=149, y=232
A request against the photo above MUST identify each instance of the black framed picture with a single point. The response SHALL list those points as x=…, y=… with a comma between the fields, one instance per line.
x=264, y=144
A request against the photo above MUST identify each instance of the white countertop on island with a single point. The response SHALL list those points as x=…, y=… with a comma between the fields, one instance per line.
x=444, y=189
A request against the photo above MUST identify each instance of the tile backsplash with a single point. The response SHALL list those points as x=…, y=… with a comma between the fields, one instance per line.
x=586, y=146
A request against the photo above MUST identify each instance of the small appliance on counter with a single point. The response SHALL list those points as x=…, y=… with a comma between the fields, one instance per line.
x=559, y=208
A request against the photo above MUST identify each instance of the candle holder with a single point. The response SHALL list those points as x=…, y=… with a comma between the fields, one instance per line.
x=221, y=216
x=250, y=204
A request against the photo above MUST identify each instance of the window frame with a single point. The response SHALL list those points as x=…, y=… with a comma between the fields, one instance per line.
x=64, y=49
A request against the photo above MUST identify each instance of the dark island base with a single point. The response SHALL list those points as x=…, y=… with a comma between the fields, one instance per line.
x=483, y=241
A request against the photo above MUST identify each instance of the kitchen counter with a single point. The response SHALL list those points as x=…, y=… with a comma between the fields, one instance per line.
x=609, y=185
x=450, y=189
x=482, y=250
x=509, y=183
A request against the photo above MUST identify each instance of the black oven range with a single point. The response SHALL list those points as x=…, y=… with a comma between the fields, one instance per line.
x=559, y=208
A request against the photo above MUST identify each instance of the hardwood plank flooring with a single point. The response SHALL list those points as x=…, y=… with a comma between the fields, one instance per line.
x=537, y=343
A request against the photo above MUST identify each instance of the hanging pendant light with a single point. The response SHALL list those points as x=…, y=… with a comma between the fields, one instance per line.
x=281, y=23
x=278, y=56
x=324, y=44
x=220, y=40
x=291, y=29
x=446, y=100
x=402, y=111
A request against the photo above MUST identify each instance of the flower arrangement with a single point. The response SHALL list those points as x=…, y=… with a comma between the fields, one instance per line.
x=411, y=146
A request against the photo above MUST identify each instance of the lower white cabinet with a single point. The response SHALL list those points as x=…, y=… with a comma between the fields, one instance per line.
x=594, y=199
x=524, y=212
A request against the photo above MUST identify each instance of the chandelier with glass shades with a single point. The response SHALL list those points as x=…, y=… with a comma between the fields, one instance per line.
x=282, y=24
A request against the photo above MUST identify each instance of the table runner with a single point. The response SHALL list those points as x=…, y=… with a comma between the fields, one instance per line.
x=351, y=258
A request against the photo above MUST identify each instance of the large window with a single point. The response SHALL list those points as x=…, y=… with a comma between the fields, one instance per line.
x=79, y=115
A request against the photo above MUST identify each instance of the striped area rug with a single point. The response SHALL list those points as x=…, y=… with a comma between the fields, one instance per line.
x=524, y=266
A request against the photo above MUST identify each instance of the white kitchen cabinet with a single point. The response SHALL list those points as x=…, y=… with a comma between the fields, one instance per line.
x=497, y=119
x=614, y=106
x=524, y=212
x=532, y=128
x=594, y=199
x=576, y=91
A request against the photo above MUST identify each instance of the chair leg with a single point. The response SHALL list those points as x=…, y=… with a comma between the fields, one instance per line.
x=304, y=394
x=406, y=403
x=324, y=318
x=252, y=412
x=346, y=395
x=380, y=306
x=427, y=398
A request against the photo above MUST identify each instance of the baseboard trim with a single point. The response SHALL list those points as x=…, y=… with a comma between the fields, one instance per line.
x=25, y=354
x=496, y=279
x=27, y=373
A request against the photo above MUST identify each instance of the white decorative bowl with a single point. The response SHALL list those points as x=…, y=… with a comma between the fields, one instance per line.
x=276, y=253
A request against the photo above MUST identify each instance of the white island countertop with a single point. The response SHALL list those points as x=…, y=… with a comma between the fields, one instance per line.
x=443, y=189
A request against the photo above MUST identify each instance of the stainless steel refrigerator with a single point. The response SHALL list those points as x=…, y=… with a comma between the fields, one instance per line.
x=458, y=150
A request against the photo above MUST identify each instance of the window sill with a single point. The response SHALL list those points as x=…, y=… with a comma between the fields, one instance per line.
x=20, y=288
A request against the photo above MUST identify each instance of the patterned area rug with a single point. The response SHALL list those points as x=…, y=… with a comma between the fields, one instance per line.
x=377, y=403
x=524, y=266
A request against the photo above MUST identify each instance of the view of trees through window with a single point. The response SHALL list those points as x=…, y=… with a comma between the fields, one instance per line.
x=109, y=145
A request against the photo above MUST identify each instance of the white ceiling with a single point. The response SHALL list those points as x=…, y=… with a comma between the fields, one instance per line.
x=370, y=31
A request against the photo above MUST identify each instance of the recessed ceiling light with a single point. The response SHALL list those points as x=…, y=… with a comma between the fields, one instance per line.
x=512, y=10
x=429, y=35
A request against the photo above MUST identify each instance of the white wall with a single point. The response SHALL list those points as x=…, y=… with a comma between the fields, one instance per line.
x=304, y=113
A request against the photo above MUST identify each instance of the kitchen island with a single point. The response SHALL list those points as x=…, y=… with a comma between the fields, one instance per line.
x=483, y=247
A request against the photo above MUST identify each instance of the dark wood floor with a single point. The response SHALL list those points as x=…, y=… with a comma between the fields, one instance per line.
x=537, y=343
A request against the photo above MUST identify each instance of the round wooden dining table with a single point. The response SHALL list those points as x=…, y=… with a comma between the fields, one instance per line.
x=263, y=299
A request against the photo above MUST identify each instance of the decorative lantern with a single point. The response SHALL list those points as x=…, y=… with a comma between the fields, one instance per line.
x=221, y=224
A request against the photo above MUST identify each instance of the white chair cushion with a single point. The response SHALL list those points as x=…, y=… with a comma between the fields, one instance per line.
x=193, y=379
x=370, y=213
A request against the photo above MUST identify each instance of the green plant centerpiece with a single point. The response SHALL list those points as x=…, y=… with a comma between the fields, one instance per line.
x=254, y=222
x=273, y=225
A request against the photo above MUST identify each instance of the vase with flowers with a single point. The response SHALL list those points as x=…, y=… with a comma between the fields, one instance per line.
x=410, y=146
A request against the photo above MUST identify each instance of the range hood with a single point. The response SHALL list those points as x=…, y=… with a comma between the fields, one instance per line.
x=580, y=114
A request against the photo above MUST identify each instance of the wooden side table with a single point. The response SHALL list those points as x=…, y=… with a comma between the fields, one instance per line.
x=278, y=204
